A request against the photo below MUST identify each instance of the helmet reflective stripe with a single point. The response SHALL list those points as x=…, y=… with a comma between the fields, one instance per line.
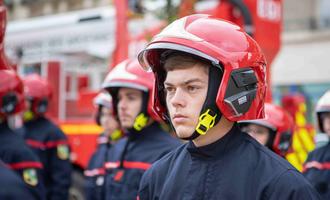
x=125, y=85
x=322, y=106
x=103, y=99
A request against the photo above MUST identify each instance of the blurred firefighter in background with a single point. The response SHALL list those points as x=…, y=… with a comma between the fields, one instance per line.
x=274, y=131
x=26, y=183
x=131, y=91
x=13, y=150
x=317, y=166
x=95, y=171
x=46, y=139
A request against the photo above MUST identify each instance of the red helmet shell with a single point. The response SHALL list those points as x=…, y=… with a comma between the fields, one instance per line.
x=3, y=21
x=218, y=41
x=38, y=90
x=278, y=120
x=4, y=64
x=129, y=74
x=11, y=84
x=37, y=87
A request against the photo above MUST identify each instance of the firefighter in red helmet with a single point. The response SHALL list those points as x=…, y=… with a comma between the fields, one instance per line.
x=209, y=74
x=13, y=150
x=26, y=182
x=131, y=90
x=46, y=139
x=95, y=172
x=274, y=131
x=317, y=166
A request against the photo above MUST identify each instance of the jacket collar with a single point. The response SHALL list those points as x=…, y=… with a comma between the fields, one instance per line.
x=219, y=147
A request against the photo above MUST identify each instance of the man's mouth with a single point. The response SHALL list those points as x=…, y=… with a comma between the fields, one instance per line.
x=179, y=118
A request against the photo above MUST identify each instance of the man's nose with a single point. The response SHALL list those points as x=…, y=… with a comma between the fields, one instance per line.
x=122, y=104
x=178, y=99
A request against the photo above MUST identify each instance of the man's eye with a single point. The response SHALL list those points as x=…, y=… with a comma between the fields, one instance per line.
x=192, y=88
x=131, y=97
x=169, y=89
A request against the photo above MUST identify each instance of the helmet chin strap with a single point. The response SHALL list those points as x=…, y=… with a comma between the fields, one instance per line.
x=28, y=116
x=210, y=114
x=142, y=119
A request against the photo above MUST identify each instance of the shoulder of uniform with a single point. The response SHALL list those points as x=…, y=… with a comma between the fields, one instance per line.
x=320, y=149
x=55, y=132
x=25, y=153
x=167, y=160
x=291, y=184
x=279, y=163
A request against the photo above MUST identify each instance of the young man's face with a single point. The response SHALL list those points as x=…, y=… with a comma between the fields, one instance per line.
x=326, y=122
x=107, y=120
x=260, y=133
x=129, y=106
x=186, y=91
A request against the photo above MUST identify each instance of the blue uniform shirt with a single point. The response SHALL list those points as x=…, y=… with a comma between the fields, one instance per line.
x=130, y=157
x=235, y=167
x=317, y=170
x=51, y=145
x=94, y=186
x=20, y=158
x=12, y=186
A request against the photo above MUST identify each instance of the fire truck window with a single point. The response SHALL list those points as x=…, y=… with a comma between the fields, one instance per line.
x=32, y=68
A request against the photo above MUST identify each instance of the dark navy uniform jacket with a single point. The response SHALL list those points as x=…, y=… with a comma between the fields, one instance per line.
x=130, y=157
x=236, y=167
x=94, y=186
x=20, y=158
x=317, y=170
x=12, y=187
x=51, y=145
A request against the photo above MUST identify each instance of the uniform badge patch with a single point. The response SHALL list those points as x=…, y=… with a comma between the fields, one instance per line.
x=30, y=176
x=63, y=152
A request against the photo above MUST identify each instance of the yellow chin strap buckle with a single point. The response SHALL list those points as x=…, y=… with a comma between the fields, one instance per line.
x=28, y=116
x=116, y=135
x=140, y=122
x=206, y=121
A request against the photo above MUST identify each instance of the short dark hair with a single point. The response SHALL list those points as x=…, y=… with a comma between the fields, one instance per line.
x=180, y=60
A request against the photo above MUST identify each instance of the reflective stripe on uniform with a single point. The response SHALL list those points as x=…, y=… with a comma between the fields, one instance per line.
x=23, y=165
x=51, y=144
x=128, y=165
x=317, y=165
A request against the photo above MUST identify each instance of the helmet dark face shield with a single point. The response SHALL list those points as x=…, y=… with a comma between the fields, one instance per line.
x=11, y=94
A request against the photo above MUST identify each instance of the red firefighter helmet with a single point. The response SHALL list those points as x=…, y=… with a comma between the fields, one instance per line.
x=129, y=74
x=225, y=45
x=3, y=20
x=4, y=64
x=322, y=106
x=11, y=93
x=281, y=123
x=38, y=91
